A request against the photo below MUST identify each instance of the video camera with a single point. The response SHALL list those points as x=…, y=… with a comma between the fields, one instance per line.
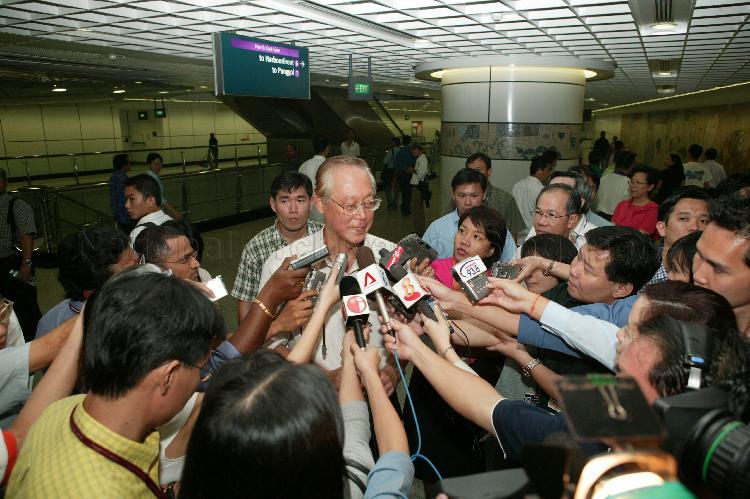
x=686, y=445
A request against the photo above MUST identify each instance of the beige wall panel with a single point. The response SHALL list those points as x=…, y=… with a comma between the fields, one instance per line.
x=203, y=119
x=61, y=123
x=98, y=122
x=179, y=120
x=22, y=123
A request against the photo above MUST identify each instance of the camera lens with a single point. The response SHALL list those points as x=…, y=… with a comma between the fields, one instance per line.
x=716, y=452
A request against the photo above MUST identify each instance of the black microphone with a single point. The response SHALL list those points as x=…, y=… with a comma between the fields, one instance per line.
x=411, y=246
x=354, y=308
x=372, y=279
x=407, y=282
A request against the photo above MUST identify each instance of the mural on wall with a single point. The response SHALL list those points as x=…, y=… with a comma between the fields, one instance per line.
x=513, y=141
x=654, y=135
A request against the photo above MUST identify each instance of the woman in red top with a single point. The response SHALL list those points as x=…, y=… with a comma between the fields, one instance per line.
x=639, y=212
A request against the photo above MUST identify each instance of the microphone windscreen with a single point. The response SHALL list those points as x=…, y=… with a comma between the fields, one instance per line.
x=349, y=286
x=365, y=257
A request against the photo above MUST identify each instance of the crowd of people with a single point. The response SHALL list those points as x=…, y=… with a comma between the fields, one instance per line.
x=143, y=392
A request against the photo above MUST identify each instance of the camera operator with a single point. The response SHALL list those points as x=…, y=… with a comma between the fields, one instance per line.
x=654, y=357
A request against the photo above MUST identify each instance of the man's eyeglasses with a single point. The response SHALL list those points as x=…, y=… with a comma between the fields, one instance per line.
x=546, y=216
x=635, y=182
x=207, y=370
x=351, y=209
x=186, y=260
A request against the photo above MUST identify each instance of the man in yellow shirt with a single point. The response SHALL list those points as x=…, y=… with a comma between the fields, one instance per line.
x=148, y=337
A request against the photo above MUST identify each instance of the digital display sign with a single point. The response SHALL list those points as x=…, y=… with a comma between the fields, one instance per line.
x=360, y=88
x=256, y=68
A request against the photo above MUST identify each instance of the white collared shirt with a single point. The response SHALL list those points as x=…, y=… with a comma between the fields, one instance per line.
x=334, y=328
x=525, y=193
x=156, y=218
x=350, y=150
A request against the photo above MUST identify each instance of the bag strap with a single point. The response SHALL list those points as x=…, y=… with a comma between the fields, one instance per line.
x=354, y=478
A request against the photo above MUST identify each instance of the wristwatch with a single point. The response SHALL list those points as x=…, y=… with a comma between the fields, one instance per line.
x=526, y=370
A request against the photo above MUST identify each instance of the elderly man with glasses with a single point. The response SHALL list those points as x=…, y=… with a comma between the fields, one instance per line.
x=345, y=195
x=559, y=211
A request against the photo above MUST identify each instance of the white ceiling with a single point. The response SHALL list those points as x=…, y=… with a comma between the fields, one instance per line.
x=714, y=45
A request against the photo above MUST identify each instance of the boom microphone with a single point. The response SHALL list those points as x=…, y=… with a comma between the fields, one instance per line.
x=354, y=308
x=372, y=278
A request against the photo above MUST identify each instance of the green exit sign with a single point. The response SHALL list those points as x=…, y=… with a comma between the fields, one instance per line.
x=360, y=88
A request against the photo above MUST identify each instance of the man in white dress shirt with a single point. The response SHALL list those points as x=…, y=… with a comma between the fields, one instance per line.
x=345, y=195
x=143, y=203
x=350, y=147
x=526, y=190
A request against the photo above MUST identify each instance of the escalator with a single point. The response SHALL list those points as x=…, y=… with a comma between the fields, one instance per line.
x=328, y=112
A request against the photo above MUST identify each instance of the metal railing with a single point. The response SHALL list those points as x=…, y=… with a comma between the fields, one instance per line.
x=35, y=167
x=202, y=195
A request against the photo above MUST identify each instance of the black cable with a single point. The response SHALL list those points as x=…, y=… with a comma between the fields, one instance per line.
x=468, y=344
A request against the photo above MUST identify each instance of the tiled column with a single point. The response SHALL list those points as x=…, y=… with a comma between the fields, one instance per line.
x=511, y=113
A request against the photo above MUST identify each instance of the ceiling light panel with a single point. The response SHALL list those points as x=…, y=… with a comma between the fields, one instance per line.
x=594, y=28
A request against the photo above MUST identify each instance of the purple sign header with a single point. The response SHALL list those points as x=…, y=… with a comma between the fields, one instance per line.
x=263, y=47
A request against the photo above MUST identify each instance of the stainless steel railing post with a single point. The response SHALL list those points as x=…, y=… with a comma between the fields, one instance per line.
x=75, y=170
x=182, y=154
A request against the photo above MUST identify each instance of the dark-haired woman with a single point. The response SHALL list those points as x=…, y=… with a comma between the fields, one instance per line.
x=481, y=232
x=639, y=212
x=670, y=178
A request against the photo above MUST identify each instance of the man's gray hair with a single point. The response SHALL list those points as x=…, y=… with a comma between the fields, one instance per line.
x=573, y=205
x=324, y=176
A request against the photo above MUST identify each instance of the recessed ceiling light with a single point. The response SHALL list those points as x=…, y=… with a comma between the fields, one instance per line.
x=118, y=91
x=137, y=82
x=587, y=73
x=437, y=74
x=425, y=95
x=163, y=91
x=83, y=29
x=389, y=90
x=59, y=89
x=343, y=85
x=202, y=86
x=664, y=73
x=589, y=99
x=664, y=26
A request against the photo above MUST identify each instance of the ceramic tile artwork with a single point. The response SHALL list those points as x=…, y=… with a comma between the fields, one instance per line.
x=510, y=141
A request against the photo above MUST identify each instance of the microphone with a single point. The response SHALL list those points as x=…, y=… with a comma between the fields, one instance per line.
x=411, y=246
x=470, y=275
x=410, y=292
x=339, y=267
x=372, y=278
x=354, y=308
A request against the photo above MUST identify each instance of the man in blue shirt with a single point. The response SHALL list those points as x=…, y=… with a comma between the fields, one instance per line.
x=604, y=275
x=469, y=190
x=121, y=167
x=404, y=166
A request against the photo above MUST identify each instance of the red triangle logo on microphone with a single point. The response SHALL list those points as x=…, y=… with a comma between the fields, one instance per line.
x=369, y=279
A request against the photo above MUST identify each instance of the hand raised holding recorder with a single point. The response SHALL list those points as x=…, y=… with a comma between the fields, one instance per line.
x=327, y=298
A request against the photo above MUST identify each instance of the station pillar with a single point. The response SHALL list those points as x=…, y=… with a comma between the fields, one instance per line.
x=511, y=109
